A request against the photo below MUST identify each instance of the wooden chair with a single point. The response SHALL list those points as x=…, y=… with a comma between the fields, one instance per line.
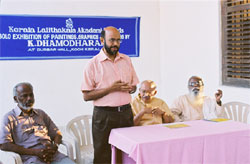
x=79, y=129
x=236, y=111
x=7, y=157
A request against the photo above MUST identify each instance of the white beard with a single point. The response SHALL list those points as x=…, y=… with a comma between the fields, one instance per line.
x=197, y=95
x=26, y=108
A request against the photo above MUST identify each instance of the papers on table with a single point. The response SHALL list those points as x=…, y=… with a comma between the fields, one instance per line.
x=176, y=126
x=218, y=119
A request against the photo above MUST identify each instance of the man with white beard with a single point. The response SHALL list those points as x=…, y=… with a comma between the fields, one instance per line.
x=196, y=106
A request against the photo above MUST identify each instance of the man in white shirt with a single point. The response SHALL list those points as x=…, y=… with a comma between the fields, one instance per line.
x=196, y=106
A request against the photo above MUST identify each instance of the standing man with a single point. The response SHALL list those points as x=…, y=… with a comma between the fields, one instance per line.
x=30, y=132
x=195, y=105
x=108, y=80
x=148, y=109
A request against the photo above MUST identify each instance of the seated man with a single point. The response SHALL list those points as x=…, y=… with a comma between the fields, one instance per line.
x=148, y=109
x=196, y=106
x=30, y=132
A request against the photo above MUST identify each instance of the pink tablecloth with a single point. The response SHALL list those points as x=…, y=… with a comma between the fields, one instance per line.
x=203, y=142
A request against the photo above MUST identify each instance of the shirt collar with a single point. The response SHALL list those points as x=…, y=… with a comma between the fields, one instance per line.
x=18, y=111
x=103, y=56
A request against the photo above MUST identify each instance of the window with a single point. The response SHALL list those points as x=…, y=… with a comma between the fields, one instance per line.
x=236, y=42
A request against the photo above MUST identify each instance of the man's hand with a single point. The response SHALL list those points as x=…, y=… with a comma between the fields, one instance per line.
x=47, y=154
x=147, y=110
x=218, y=96
x=133, y=89
x=99, y=93
x=44, y=155
x=158, y=111
x=121, y=86
x=167, y=118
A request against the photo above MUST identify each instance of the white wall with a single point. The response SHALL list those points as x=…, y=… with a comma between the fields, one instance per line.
x=190, y=45
x=57, y=82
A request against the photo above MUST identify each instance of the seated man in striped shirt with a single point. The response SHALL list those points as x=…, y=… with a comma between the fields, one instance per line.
x=30, y=132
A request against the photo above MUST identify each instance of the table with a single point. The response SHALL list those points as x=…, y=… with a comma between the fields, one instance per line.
x=202, y=142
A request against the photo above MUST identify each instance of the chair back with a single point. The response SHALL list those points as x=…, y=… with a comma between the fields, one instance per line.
x=80, y=130
x=236, y=111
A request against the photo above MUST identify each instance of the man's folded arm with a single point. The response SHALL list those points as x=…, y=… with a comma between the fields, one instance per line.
x=9, y=146
x=95, y=94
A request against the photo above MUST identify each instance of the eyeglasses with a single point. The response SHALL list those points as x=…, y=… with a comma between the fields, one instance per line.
x=112, y=40
x=151, y=93
x=196, y=83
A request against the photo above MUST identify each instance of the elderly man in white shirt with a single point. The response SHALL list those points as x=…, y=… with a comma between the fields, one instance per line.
x=196, y=106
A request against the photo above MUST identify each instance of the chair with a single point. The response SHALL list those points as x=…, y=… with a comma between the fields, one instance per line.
x=236, y=111
x=79, y=129
x=7, y=157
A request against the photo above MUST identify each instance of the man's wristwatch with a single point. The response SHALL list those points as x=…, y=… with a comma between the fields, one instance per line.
x=57, y=144
x=131, y=92
x=219, y=103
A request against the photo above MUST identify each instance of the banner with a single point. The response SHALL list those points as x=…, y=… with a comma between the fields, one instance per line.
x=63, y=37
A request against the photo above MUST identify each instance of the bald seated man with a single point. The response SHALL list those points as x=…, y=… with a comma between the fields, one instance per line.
x=30, y=132
x=195, y=105
x=108, y=80
x=148, y=109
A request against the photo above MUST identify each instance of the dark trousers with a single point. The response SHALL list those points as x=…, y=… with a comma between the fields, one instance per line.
x=104, y=120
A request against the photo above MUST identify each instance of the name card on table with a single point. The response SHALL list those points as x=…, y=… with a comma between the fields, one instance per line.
x=217, y=119
x=174, y=126
x=63, y=37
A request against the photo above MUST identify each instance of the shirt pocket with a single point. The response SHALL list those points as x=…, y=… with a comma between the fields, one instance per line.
x=40, y=128
x=125, y=75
